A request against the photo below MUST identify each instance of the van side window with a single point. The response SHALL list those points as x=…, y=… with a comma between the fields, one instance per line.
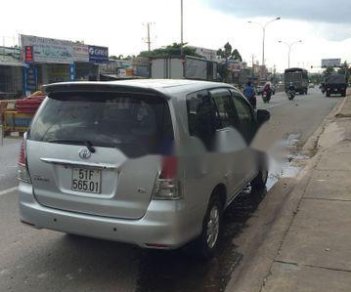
x=202, y=117
x=225, y=108
x=245, y=115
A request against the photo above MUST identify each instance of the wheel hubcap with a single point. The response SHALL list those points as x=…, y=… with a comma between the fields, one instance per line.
x=213, y=227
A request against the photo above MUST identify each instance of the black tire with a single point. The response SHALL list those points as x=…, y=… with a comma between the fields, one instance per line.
x=328, y=94
x=204, y=246
x=259, y=182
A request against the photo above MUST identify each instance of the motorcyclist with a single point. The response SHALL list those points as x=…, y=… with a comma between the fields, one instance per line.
x=291, y=87
x=267, y=92
x=250, y=94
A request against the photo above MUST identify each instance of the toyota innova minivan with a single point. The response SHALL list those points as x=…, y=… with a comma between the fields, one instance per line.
x=147, y=162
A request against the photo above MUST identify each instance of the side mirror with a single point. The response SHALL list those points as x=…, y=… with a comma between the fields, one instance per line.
x=262, y=116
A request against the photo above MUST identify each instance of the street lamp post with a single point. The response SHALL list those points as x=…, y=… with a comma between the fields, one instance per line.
x=263, y=26
x=181, y=28
x=289, y=48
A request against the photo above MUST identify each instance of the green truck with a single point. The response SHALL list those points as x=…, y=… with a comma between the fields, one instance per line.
x=298, y=77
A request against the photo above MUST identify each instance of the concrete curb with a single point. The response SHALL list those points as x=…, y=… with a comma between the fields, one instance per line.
x=311, y=146
x=345, y=108
x=252, y=273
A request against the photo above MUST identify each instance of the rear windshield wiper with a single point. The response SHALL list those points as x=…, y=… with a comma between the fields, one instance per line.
x=78, y=142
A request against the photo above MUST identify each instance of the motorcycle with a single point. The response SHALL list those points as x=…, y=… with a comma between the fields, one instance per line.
x=291, y=94
x=266, y=96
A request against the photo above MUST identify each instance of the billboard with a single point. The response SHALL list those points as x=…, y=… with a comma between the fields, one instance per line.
x=208, y=54
x=46, y=50
x=98, y=54
x=80, y=53
x=331, y=63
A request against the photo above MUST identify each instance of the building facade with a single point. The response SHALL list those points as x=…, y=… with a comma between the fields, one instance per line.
x=52, y=60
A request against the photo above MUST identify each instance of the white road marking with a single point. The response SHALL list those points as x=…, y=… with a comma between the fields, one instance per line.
x=7, y=191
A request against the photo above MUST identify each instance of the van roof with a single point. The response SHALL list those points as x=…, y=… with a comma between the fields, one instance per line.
x=167, y=87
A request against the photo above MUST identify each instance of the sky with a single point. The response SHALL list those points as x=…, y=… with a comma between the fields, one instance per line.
x=323, y=26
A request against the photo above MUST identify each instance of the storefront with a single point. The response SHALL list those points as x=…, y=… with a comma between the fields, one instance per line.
x=11, y=73
x=52, y=60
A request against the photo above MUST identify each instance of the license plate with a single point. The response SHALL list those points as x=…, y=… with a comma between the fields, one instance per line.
x=86, y=180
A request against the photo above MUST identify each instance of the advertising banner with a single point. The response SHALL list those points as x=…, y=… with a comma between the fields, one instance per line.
x=30, y=79
x=98, y=54
x=80, y=53
x=47, y=50
x=28, y=54
x=331, y=63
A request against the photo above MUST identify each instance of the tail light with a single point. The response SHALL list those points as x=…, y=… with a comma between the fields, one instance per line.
x=167, y=187
x=169, y=167
x=22, y=172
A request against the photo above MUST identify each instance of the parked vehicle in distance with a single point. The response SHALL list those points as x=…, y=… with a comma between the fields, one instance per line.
x=299, y=77
x=311, y=85
x=148, y=162
x=335, y=84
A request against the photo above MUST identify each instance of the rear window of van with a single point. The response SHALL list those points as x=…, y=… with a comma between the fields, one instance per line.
x=135, y=124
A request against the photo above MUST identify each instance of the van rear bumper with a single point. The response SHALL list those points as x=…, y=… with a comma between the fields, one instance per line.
x=166, y=224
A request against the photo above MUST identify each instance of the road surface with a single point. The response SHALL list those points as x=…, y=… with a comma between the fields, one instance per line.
x=42, y=260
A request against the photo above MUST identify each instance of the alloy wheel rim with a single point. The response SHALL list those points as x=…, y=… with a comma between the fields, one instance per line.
x=213, y=227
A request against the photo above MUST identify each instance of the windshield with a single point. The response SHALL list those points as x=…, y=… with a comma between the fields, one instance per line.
x=137, y=125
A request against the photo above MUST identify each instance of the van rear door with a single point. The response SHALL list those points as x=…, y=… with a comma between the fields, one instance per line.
x=99, y=152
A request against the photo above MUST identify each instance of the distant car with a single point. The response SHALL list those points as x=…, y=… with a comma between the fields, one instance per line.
x=149, y=162
x=311, y=85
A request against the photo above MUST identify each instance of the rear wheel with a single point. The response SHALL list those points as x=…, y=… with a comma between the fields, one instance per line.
x=207, y=242
x=328, y=94
x=259, y=182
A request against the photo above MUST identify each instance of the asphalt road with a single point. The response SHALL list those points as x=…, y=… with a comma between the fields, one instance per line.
x=41, y=260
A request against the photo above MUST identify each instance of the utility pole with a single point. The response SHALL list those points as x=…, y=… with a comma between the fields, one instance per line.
x=148, y=37
x=181, y=27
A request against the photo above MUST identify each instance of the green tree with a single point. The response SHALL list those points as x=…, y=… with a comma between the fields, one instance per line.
x=173, y=50
x=227, y=53
x=227, y=50
x=345, y=69
x=328, y=71
x=236, y=55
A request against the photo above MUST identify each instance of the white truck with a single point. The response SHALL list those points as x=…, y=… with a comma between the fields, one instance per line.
x=187, y=68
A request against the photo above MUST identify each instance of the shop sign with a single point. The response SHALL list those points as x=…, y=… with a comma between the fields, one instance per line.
x=72, y=72
x=28, y=54
x=47, y=50
x=80, y=53
x=98, y=54
x=30, y=78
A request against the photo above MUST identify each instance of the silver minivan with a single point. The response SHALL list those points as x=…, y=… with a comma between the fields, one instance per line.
x=147, y=162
